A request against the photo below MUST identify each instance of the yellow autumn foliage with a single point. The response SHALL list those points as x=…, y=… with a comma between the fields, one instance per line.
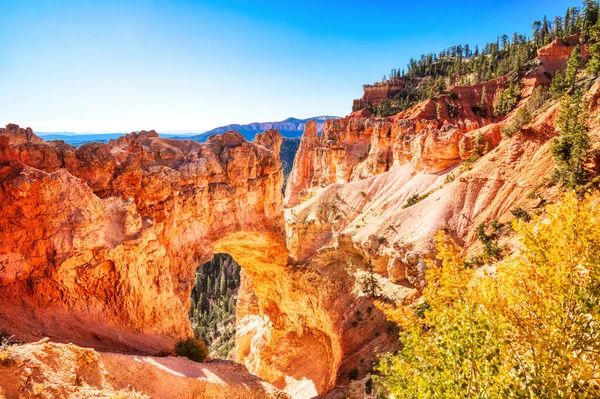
x=526, y=327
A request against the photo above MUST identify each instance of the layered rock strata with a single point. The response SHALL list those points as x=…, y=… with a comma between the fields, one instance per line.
x=98, y=245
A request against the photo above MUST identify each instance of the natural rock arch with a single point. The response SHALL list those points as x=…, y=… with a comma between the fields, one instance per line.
x=99, y=245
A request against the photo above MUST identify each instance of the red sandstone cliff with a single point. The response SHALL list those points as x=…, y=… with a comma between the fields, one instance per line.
x=378, y=92
x=98, y=244
x=347, y=194
x=426, y=135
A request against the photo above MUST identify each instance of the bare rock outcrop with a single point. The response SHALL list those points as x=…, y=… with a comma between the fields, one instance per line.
x=378, y=92
x=354, y=208
x=100, y=243
x=432, y=136
x=554, y=56
x=99, y=246
x=49, y=370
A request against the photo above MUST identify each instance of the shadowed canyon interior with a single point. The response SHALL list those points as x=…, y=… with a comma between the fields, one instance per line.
x=100, y=244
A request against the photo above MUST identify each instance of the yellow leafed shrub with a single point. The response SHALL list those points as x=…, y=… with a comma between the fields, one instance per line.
x=526, y=328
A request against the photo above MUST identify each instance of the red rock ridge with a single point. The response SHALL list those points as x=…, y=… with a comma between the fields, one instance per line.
x=378, y=92
x=100, y=243
x=355, y=148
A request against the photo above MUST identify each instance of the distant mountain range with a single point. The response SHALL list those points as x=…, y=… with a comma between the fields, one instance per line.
x=291, y=128
x=78, y=139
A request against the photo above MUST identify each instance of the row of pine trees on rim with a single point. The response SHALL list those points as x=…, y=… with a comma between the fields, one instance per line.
x=431, y=74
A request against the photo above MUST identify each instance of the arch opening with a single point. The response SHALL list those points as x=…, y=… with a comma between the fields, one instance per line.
x=213, y=304
x=283, y=332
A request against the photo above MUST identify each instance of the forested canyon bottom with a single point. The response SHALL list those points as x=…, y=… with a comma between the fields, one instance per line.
x=100, y=245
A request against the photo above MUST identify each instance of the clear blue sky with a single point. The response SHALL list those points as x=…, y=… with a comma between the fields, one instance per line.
x=91, y=66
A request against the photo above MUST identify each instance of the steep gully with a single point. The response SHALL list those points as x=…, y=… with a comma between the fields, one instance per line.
x=98, y=245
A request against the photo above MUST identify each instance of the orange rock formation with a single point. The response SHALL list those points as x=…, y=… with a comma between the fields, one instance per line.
x=49, y=370
x=378, y=92
x=98, y=245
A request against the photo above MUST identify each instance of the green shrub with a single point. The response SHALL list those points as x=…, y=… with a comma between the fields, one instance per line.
x=558, y=86
x=593, y=66
x=524, y=114
x=414, y=199
x=421, y=308
x=452, y=110
x=522, y=118
x=192, y=348
x=369, y=386
x=508, y=98
x=480, y=148
x=521, y=214
x=491, y=249
x=353, y=374
x=368, y=282
x=538, y=99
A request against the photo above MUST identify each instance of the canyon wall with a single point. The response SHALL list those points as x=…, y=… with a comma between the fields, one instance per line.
x=348, y=193
x=99, y=245
x=378, y=92
x=433, y=135
x=355, y=148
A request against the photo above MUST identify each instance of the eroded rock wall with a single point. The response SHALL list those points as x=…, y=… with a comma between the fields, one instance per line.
x=433, y=135
x=348, y=195
x=430, y=136
x=100, y=243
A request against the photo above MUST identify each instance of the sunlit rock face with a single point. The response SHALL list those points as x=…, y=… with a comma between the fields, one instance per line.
x=51, y=370
x=348, y=193
x=430, y=136
x=98, y=245
x=554, y=56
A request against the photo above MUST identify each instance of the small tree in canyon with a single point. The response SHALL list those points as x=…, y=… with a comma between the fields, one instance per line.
x=368, y=282
x=573, y=148
x=369, y=285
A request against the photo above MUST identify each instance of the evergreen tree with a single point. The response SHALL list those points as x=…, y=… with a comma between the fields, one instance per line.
x=369, y=283
x=558, y=85
x=537, y=36
x=223, y=284
x=590, y=17
x=572, y=149
x=212, y=311
x=593, y=66
x=573, y=66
